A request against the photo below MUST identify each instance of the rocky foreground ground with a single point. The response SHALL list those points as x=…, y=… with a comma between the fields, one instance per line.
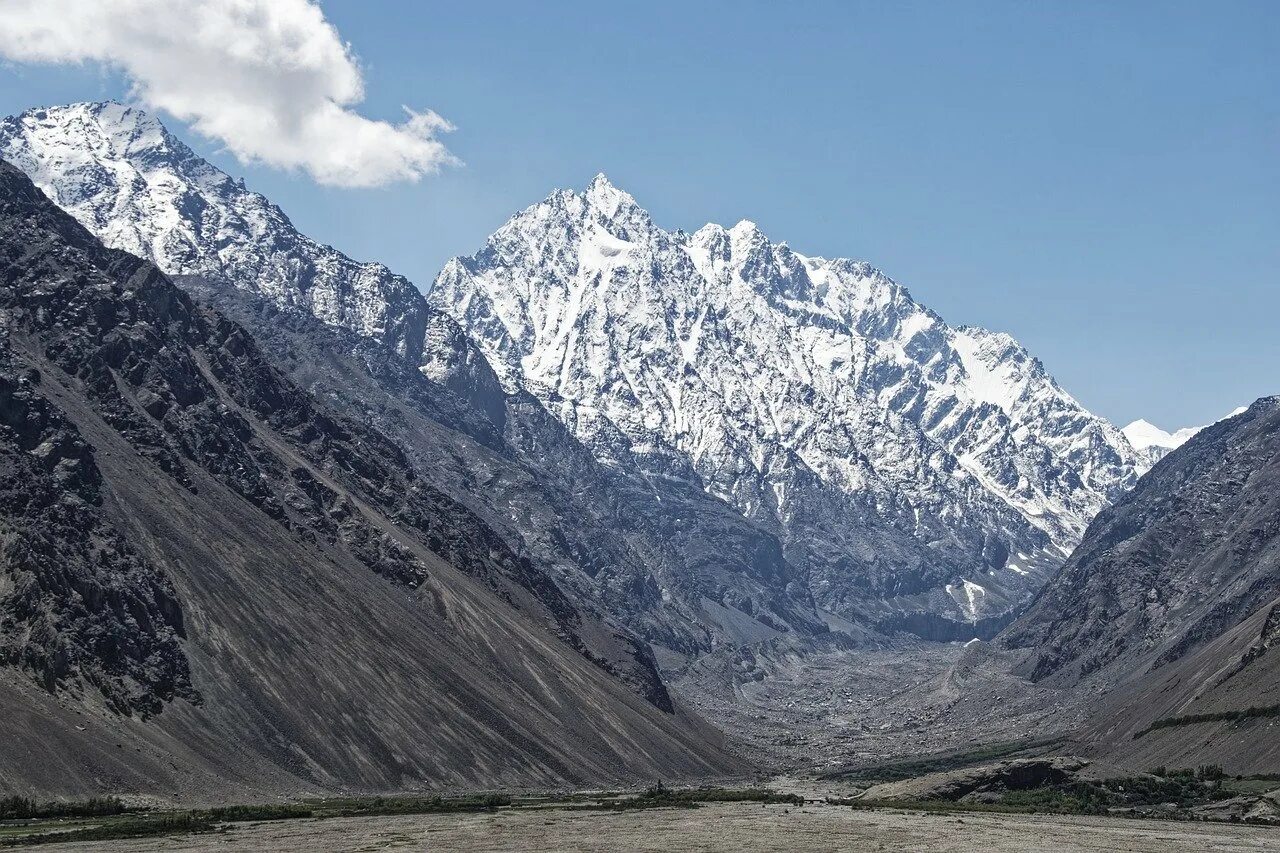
x=723, y=826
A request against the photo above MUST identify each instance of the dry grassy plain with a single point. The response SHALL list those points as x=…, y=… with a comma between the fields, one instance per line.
x=721, y=826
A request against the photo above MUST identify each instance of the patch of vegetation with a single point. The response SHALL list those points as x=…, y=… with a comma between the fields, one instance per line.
x=22, y=808
x=1251, y=712
x=894, y=771
x=270, y=811
x=116, y=824
x=660, y=796
x=1205, y=772
x=1182, y=790
x=1066, y=798
x=362, y=806
x=172, y=823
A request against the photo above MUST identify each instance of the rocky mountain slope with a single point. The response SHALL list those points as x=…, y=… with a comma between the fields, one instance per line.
x=910, y=467
x=1171, y=600
x=214, y=584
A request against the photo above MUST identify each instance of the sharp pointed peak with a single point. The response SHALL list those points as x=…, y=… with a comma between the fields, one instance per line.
x=606, y=198
x=601, y=187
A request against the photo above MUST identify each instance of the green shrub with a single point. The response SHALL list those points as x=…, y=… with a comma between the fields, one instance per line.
x=1254, y=711
x=22, y=808
x=131, y=827
x=231, y=814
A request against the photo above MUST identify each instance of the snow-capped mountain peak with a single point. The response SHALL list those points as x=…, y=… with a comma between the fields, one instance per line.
x=908, y=466
x=1153, y=444
x=604, y=197
x=797, y=387
x=139, y=188
x=1143, y=434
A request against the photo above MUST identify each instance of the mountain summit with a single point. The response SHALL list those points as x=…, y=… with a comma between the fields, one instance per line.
x=140, y=189
x=935, y=467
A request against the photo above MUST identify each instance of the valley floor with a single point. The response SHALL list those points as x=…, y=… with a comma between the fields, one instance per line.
x=823, y=709
x=720, y=826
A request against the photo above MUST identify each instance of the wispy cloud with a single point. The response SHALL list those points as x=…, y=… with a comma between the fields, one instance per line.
x=269, y=79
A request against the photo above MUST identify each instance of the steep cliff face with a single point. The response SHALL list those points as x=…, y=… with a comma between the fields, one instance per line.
x=197, y=538
x=1186, y=556
x=906, y=464
x=80, y=605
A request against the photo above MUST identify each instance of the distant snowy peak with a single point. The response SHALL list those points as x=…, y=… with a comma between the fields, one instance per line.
x=139, y=188
x=798, y=387
x=1143, y=434
x=1153, y=444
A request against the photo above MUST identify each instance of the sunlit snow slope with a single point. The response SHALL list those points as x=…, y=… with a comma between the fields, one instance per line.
x=814, y=394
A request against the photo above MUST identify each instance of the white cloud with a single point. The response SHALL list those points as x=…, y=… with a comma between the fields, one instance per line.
x=270, y=79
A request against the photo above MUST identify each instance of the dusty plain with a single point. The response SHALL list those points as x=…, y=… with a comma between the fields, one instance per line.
x=714, y=827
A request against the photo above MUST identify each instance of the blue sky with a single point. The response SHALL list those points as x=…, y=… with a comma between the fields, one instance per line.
x=1102, y=180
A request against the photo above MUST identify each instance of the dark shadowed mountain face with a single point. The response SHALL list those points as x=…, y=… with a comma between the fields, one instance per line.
x=77, y=600
x=1182, y=559
x=291, y=606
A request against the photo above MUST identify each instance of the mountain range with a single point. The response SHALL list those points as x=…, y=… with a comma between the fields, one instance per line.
x=916, y=475
x=909, y=467
x=273, y=482
x=218, y=583
x=1171, y=605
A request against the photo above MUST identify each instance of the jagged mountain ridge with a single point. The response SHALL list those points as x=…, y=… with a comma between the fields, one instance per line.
x=904, y=535
x=815, y=395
